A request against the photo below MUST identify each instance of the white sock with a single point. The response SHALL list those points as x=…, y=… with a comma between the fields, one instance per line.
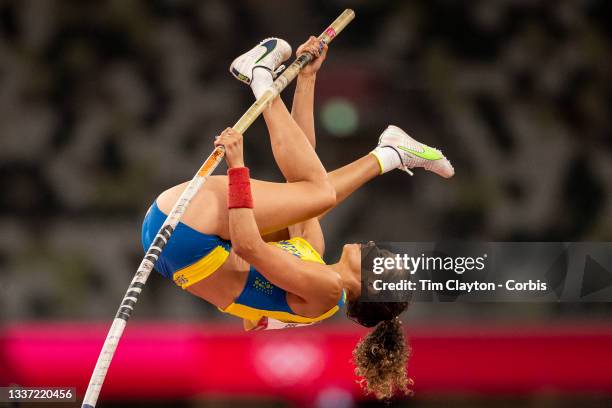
x=388, y=158
x=262, y=80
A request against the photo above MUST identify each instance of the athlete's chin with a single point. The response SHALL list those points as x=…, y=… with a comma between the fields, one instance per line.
x=351, y=247
x=351, y=250
x=351, y=256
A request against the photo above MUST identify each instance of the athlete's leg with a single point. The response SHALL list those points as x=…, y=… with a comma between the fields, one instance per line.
x=294, y=155
x=288, y=132
x=310, y=192
x=276, y=205
x=349, y=178
x=345, y=181
x=395, y=150
x=293, y=152
x=279, y=205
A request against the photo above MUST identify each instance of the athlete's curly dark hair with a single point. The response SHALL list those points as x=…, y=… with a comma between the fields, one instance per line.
x=381, y=357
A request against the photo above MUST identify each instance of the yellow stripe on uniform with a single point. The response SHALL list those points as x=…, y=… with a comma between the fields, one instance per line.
x=201, y=269
x=250, y=313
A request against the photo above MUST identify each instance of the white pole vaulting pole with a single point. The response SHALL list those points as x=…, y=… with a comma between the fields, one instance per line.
x=167, y=228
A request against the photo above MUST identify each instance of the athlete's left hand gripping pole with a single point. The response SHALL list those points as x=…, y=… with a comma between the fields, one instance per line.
x=162, y=237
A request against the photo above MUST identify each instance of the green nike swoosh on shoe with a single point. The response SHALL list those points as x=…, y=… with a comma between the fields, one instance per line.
x=270, y=45
x=428, y=153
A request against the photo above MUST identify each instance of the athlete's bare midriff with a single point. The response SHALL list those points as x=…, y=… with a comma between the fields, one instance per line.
x=225, y=285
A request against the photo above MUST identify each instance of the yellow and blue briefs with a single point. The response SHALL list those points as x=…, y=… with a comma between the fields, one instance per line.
x=190, y=256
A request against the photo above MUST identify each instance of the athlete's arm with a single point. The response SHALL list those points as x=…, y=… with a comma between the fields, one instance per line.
x=302, y=109
x=309, y=280
x=303, y=114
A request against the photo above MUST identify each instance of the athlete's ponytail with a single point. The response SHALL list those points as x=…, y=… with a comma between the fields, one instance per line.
x=381, y=358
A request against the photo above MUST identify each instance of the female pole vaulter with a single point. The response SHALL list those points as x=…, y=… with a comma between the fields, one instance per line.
x=253, y=248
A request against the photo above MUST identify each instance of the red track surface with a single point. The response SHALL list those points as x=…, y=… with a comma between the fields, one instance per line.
x=159, y=361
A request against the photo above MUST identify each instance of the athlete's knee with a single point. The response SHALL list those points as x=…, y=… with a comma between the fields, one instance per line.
x=326, y=194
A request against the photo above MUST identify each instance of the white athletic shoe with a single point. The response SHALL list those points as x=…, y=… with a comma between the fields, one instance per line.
x=268, y=54
x=413, y=154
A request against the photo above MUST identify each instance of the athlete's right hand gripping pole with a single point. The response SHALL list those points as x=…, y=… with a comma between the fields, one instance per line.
x=167, y=228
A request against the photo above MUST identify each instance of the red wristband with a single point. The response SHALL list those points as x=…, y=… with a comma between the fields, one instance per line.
x=239, y=188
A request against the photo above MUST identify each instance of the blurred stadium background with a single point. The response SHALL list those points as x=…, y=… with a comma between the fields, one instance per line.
x=105, y=104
